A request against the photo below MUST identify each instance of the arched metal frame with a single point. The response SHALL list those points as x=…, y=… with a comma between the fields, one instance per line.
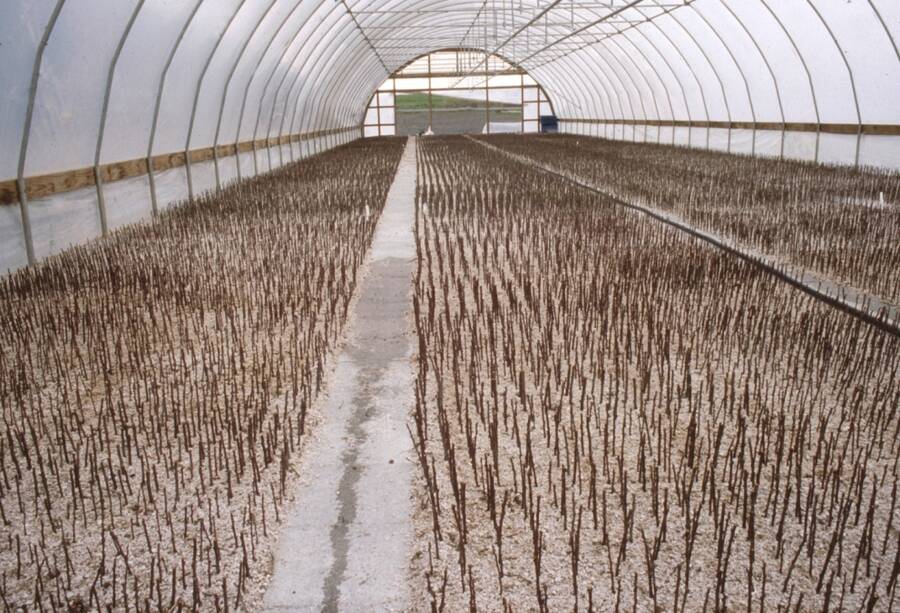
x=21, y=191
x=628, y=63
x=228, y=83
x=162, y=84
x=206, y=65
x=111, y=73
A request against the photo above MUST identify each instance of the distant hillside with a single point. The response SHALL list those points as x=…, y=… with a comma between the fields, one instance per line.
x=418, y=101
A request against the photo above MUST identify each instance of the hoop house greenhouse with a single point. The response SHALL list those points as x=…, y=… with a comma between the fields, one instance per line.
x=499, y=305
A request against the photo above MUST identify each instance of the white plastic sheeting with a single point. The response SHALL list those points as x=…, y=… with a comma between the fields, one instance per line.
x=250, y=69
x=874, y=151
x=313, y=64
x=63, y=220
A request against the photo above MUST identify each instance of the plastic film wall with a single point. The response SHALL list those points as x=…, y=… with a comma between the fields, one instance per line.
x=237, y=87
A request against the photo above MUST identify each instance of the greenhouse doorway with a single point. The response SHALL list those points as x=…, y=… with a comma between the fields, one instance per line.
x=458, y=91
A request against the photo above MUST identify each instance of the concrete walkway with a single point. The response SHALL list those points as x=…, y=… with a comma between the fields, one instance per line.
x=345, y=545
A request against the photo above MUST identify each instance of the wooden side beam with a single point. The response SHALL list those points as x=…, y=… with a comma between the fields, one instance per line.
x=68, y=180
x=824, y=128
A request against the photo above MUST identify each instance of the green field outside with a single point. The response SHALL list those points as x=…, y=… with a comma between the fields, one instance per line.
x=418, y=101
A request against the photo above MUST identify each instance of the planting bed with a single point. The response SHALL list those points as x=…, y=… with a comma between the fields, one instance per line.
x=611, y=415
x=837, y=222
x=156, y=389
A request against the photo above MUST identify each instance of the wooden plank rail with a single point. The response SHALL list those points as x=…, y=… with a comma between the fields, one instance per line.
x=823, y=128
x=42, y=186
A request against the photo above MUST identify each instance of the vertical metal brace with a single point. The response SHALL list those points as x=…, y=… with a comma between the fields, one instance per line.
x=430, y=104
x=98, y=179
x=690, y=68
x=612, y=77
x=522, y=102
x=740, y=72
x=237, y=138
x=809, y=78
x=627, y=95
x=225, y=92
x=323, y=94
x=21, y=188
x=313, y=146
x=646, y=83
x=280, y=84
x=610, y=97
x=159, y=92
x=328, y=92
x=187, y=145
x=771, y=74
x=278, y=91
x=687, y=106
x=341, y=95
x=715, y=73
x=852, y=82
x=487, y=96
x=26, y=221
x=368, y=42
x=335, y=134
x=661, y=82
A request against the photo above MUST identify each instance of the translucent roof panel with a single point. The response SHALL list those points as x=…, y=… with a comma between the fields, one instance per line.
x=103, y=81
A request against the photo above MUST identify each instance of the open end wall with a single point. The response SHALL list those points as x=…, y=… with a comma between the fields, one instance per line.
x=180, y=97
x=464, y=91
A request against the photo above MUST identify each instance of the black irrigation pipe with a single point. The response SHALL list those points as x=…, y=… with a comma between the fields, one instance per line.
x=879, y=321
